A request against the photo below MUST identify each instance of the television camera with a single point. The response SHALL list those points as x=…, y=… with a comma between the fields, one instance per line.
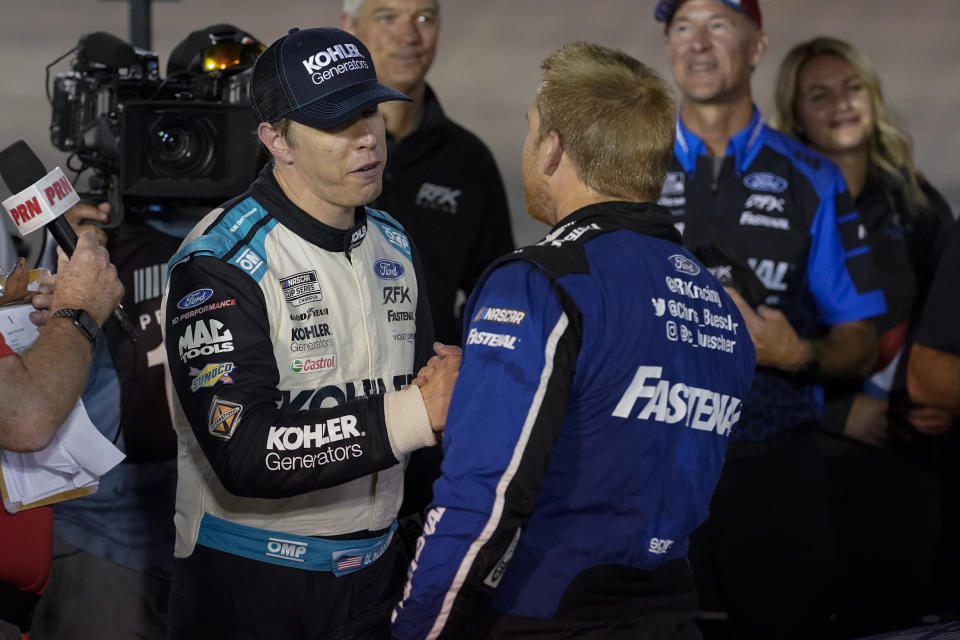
x=189, y=138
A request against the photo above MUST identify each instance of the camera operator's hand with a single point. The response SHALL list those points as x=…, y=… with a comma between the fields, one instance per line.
x=79, y=214
x=86, y=281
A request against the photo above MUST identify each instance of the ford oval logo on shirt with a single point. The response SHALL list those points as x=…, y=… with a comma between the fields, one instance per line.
x=388, y=270
x=194, y=298
x=683, y=264
x=763, y=181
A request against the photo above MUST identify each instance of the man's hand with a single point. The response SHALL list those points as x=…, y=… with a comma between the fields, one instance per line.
x=848, y=349
x=776, y=343
x=85, y=281
x=933, y=378
x=867, y=420
x=929, y=420
x=436, y=381
x=442, y=351
x=41, y=301
x=79, y=213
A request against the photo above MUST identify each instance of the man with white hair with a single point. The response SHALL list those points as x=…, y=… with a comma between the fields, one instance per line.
x=440, y=182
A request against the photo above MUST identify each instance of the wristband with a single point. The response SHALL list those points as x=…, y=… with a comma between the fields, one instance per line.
x=81, y=320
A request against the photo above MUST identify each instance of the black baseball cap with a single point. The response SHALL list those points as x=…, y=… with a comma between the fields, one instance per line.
x=318, y=77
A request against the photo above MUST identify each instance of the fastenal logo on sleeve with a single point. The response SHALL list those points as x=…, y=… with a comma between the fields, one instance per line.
x=487, y=339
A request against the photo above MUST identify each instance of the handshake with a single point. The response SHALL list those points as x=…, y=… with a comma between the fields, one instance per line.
x=436, y=381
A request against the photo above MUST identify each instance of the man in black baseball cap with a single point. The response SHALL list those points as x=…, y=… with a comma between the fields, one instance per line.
x=317, y=77
x=295, y=319
x=319, y=87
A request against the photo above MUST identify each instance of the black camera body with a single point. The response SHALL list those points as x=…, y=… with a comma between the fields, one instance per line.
x=187, y=139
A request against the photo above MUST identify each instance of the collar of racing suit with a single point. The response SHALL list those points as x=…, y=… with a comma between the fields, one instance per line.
x=643, y=217
x=267, y=191
x=743, y=146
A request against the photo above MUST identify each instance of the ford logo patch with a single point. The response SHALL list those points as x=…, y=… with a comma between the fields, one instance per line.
x=683, y=264
x=388, y=270
x=194, y=298
x=763, y=181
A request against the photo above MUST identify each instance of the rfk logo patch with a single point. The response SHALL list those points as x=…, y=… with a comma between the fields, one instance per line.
x=438, y=198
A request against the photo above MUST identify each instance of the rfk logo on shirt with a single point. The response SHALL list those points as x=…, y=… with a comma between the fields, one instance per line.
x=438, y=198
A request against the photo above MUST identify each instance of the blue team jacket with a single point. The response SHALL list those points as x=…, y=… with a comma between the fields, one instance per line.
x=604, y=370
x=784, y=210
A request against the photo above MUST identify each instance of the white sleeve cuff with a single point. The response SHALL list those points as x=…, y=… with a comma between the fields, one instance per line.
x=408, y=425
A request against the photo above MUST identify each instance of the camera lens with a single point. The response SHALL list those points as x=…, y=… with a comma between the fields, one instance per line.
x=180, y=148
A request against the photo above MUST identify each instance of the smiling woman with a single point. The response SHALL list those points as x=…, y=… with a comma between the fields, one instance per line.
x=828, y=95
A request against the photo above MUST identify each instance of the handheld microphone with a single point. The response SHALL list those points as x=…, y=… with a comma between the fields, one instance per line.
x=40, y=199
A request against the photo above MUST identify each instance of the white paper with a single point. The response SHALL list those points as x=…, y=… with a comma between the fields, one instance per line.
x=89, y=448
x=77, y=456
x=18, y=332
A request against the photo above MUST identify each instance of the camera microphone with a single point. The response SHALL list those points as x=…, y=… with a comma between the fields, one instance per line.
x=106, y=49
x=40, y=199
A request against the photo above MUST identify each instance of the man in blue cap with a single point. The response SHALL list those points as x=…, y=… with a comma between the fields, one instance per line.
x=786, y=212
x=295, y=318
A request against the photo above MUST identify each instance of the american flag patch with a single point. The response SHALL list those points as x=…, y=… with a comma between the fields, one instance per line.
x=349, y=562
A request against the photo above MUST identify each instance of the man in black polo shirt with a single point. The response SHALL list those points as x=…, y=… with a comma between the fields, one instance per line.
x=441, y=181
x=765, y=551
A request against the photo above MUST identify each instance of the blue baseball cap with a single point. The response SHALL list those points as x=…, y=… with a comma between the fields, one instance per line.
x=318, y=77
x=666, y=8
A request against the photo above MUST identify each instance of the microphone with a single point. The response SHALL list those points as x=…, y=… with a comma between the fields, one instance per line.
x=106, y=49
x=40, y=199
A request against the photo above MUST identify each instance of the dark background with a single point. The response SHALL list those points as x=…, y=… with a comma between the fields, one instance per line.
x=490, y=50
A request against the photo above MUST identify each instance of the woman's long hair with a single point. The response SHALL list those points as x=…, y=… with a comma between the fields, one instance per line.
x=890, y=147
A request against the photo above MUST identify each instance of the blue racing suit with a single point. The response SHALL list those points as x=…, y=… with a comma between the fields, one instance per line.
x=603, y=371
